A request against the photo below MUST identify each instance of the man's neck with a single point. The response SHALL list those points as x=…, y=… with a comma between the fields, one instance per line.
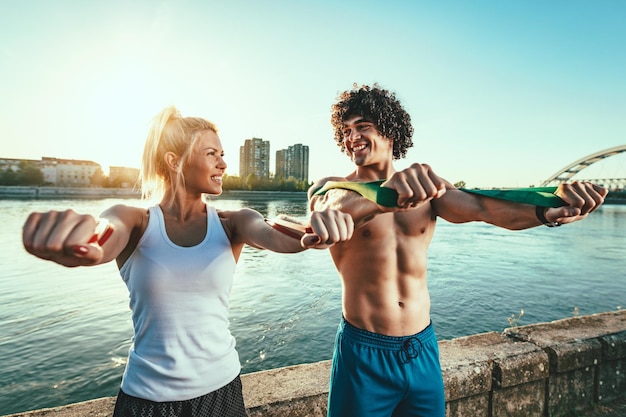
x=371, y=173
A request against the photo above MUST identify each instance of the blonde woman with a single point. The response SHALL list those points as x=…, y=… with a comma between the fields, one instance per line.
x=177, y=259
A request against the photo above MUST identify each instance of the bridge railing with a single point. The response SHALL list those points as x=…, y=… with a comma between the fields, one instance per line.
x=611, y=184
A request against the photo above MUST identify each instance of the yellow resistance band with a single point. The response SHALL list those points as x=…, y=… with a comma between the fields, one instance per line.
x=387, y=197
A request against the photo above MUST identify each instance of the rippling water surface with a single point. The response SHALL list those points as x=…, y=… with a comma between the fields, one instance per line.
x=65, y=332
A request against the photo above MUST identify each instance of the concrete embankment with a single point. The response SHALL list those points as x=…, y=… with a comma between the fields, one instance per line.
x=66, y=192
x=27, y=192
x=574, y=366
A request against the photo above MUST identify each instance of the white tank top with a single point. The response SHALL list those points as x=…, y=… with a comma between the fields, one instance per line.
x=179, y=296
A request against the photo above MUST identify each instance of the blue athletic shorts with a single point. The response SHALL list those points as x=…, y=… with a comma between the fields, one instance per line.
x=375, y=375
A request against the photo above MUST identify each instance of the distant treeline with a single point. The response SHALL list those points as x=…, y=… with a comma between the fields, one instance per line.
x=28, y=174
x=254, y=183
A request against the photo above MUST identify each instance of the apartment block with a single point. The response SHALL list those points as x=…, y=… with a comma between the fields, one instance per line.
x=254, y=158
x=293, y=162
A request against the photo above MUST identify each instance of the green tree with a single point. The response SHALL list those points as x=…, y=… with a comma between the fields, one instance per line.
x=252, y=182
x=98, y=179
x=8, y=177
x=232, y=182
x=29, y=174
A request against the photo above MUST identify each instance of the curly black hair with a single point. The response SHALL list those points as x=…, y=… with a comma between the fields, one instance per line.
x=378, y=106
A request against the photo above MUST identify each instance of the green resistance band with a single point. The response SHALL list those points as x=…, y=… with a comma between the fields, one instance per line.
x=387, y=197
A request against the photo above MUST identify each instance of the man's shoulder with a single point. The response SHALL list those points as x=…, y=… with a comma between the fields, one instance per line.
x=317, y=185
x=326, y=179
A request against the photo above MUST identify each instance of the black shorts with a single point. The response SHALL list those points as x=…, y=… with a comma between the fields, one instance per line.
x=225, y=402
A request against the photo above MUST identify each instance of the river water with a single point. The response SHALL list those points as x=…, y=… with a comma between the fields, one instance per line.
x=65, y=332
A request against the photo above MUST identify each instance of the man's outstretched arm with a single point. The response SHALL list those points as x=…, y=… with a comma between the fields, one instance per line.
x=580, y=199
x=419, y=184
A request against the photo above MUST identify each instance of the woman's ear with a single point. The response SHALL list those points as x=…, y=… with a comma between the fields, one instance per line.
x=171, y=160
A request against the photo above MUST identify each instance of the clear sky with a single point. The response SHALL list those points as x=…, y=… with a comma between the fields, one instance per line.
x=501, y=93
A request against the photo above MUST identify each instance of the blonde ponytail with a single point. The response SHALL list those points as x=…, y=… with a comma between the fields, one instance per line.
x=169, y=132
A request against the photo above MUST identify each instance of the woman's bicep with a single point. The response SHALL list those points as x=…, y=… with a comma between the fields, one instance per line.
x=122, y=221
x=250, y=227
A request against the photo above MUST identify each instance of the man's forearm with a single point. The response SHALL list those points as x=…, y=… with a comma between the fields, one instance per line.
x=361, y=209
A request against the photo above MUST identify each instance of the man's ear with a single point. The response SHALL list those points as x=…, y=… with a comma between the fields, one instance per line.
x=171, y=160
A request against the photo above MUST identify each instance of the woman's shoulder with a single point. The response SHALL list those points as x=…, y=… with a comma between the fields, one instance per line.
x=131, y=216
x=237, y=223
x=238, y=215
x=125, y=210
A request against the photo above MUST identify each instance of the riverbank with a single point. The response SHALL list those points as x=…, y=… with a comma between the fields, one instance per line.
x=574, y=366
x=27, y=192
x=30, y=192
x=616, y=198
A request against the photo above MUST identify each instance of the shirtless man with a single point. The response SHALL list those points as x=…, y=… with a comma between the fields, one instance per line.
x=386, y=359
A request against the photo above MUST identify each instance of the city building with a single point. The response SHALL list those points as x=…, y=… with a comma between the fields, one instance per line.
x=75, y=173
x=293, y=163
x=123, y=177
x=68, y=172
x=254, y=158
x=60, y=172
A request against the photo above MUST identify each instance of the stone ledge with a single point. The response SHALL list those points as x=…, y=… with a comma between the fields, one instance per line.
x=586, y=354
x=571, y=329
x=101, y=407
x=491, y=368
x=293, y=391
x=614, y=346
x=529, y=370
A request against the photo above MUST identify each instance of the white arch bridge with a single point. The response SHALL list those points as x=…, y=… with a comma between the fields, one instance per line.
x=566, y=174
